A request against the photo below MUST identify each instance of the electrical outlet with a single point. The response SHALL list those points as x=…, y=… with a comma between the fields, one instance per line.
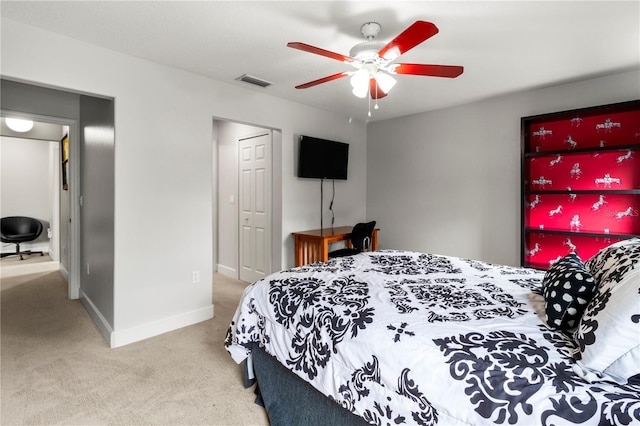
x=88, y=269
x=195, y=277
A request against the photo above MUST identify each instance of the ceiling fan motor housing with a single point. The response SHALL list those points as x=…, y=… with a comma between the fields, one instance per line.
x=366, y=50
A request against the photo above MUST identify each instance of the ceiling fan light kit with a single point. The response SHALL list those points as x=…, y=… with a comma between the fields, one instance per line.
x=372, y=60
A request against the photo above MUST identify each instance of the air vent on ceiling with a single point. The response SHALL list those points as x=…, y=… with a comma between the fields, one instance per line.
x=254, y=80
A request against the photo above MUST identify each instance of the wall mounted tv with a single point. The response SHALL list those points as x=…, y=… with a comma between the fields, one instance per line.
x=322, y=159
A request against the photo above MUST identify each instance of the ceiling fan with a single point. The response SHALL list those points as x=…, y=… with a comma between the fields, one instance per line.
x=373, y=60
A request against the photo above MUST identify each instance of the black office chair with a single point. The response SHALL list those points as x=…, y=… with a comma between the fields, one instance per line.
x=19, y=229
x=360, y=238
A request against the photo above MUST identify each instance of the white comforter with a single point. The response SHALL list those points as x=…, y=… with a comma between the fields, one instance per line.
x=410, y=338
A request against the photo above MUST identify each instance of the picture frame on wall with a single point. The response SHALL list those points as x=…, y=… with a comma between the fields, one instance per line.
x=64, y=150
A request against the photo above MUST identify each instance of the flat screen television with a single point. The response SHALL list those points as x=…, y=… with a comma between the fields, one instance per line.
x=322, y=159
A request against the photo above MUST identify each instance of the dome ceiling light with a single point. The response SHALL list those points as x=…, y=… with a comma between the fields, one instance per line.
x=19, y=125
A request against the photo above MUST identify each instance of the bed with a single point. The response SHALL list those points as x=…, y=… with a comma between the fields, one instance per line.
x=397, y=337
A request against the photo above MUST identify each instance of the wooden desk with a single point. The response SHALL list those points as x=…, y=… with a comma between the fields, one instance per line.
x=313, y=246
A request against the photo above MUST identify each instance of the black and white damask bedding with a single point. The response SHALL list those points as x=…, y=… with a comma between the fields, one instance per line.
x=410, y=338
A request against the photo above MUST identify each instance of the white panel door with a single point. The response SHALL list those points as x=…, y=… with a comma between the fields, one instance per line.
x=255, y=207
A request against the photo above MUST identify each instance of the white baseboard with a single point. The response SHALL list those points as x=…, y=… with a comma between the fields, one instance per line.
x=53, y=255
x=227, y=271
x=135, y=334
x=101, y=323
x=124, y=337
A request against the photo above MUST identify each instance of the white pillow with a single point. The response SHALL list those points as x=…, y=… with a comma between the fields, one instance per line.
x=601, y=263
x=609, y=331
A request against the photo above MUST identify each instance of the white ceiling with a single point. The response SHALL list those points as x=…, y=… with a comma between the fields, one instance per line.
x=504, y=46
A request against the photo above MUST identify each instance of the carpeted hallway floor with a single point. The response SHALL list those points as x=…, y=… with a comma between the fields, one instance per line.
x=57, y=369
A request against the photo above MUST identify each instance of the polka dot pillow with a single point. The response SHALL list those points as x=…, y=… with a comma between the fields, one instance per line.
x=567, y=288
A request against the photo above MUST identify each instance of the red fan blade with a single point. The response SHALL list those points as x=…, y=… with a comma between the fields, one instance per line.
x=418, y=32
x=374, y=89
x=318, y=51
x=450, y=71
x=323, y=80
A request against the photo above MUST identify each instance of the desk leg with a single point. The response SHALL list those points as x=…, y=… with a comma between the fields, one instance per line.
x=374, y=240
x=325, y=250
x=299, y=247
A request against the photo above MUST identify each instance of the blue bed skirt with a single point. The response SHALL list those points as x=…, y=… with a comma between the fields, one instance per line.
x=289, y=400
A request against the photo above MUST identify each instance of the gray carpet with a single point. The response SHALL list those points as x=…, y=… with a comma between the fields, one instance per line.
x=57, y=369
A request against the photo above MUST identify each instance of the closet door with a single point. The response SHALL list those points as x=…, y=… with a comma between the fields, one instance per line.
x=255, y=206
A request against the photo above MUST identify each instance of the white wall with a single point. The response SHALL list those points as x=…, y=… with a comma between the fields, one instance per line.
x=448, y=181
x=26, y=185
x=163, y=169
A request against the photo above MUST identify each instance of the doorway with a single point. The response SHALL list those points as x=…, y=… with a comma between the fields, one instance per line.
x=32, y=184
x=247, y=216
x=90, y=196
